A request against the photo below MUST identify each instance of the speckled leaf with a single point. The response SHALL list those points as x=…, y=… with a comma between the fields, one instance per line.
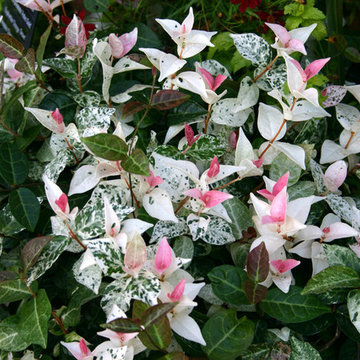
x=197, y=225
x=90, y=276
x=282, y=164
x=93, y=120
x=353, y=304
x=10, y=339
x=227, y=336
x=48, y=256
x=301, y=350
x=248, y=94
x=113, y=353
x=301, y=189
x=341, y=255
x=272, y=79
x=223, y=113
x=218, y=232
x=88, y=61
x=340, y=207
x=88, y=98
x=292, y=307
x=169, y=229
x=65, y=67
x=31, y=251
x=334, y=277
x=56, y=166
x=206, y=147
x=317, y=174
x=253, y=48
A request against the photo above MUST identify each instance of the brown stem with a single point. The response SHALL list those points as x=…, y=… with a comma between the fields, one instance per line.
x=182, y=203
x=41, y=82
x=349, y=141
x=268, y=67
x=63, y=7
x=229, y=183
x=128, y=185
x=72, y=150
x=207, y=119
x=7, y=128
x=2, y=69
x=329, y=343
x=79, y=75
x=60, y=323
x=74, y=236
x=48, y=15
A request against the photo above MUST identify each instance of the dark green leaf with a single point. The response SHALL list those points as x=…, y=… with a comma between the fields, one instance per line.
x=254, y=291
x=34, y=317
x=146, y=37
x=27, y=63
x=257, y=352
x=168, y=99
x=227, y=283
x=25, y=207
x=257, y=264
x=334, y=277
x=292, y=307
x=136, y=163
x=10, y=47
x=96, y=6
x=345, y=324
x=31, y=251
x=10, y=339
x=14, y=167
x=283, y=164
x=13, y=290
x=42, y=45
x=227, y=336
x=122, y=325
x=174, y=356
x=185, y=113
x=239, y=253
x=157, y=336
x=107, y=146
x=154, y=313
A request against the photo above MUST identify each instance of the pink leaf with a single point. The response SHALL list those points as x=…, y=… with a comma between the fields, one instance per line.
x=284, y=266
x=280, y=184
x=83, y=348
x=163, y=256
x=128, y=41
x=213, y=197
x=296, y=45
x=178, y=291
x=300, y=69
x=62, y=202
x=208, y=77
x=258, y=163
x=189, y=134
x=56, y=115
x=278, y=206
x=116, y=46
x=335, y=175
x=313, y=68
x=281, y=33
x=266, y=194
x=218, y=81
x=195, y=193
x=267, y=219
x=214, y=168
x=233, y=140
x=153, y=180
x=75, y=35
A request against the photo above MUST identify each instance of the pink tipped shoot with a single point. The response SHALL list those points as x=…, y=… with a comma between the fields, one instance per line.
x=283, y=266
x=214, y=168
x=163, y=256
x=62, y=202
x=178, y=291
x=56, y=115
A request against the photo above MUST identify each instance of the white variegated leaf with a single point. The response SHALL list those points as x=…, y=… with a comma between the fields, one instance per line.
x=158, y=204
x=224, y=113
x=269, y=122
x=248, y=95
x=90, y=276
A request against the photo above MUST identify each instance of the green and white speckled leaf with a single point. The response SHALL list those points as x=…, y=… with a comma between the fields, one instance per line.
x=218, y=232
x=253, y=48
x=90, y=221
x=340, y=207
x=206, y=147
x=107, y=254
x=197, y=225
x=56, y=166
x=248, y=94
x=93, y=120
x=318, y=176
x=65, y=67
x=88, y=98
x=215, y=68
x=113, y=353
x=353, y=304
x=36, y=170
x=272, y=79
x=8, y=225
x=10, y=339
x=90, y=276
x=341, y=255
x=146, y=288
x=301, y=350
x=88, y=61
x=169, y=229
x=282, y=164
x=301, y=189
x=223, y=113
x=48, y=256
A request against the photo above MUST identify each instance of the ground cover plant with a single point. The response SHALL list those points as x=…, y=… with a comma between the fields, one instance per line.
x=171, y=190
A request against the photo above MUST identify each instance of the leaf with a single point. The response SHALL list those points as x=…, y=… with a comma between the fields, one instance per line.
x=123, y=325
x=253, y=48
x=174, y=356
x=90, y=277
x=25, y=207
x=301, y=189
x=132, y=108
x=8, y=225
x=292, y=307
x=239, y=253
x=218, y=232
x=353, y=304
x=13, y=290
x=31, y=251
x=34, y=316
x=302, y=350
x=227, y=283
x=206, y=147
x=257, y=264
x=282, y=164
x=159, y=333
x=254, y=291
x=223, y=113
x=10, y=339
x=340, y=255
x=42, y=45
x=154, y=313
x=65, y=67
x=227, y=336
x=96, y=6
x=136, y=163
x=186, y=112
x=168, y=99
x=106, y=146
x=27, y=63
x=340, y=207
x=10, y=47
x=14, y=166
x=334, y=277
x=184, y=248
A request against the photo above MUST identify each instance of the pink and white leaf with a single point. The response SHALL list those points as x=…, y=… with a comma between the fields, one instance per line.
x=303, y=33
x=335, y=175
x=163, y=256
x=79, y=350
x=214, y=197
x=214, y=168
x=281, y=33
x=75, y=35
x=153, y=180
x=339, y=230
x=135, y=256
x=314, y=67
x=191, y=81
x=282, y=266
x=178, y=291
x=296, y=45
x=334, y=93
x=46, y=119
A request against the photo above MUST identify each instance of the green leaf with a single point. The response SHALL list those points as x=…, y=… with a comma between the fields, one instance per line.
x=226, y=336
x=96, y=6
x=254, y=291
x=147, y=38
x=168, y=99
x=352, y=54
x=340, y=255
x=136, y=163
x=123, y=325
x=10, y=47
x=185, y=112
x=34, y=316
x=25, y=207
x=227, y=283
x=42, y=45
x=283, y=164
x=154, y=313
x=353, y=304
x=13, y=290
x=184, y=248
x=10, y=339
x=301, y=350
x=239, y=253
x=14, y=166
x=27, y=63
x=292, y=307
x=159, y=333
x=206, y=147
x=106, y=146
x=257, y=352
x=31, y=251
x=334, y=277
x=301, y=189
x=240, y=216
x=257, y=264
x=64, y=67
x=174, y=356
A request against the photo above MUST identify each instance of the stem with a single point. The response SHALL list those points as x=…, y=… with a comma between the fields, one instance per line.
x=7, y=128
x=63, y=7
x=349, y=141
x=79, y=75
x=207, y=119
x=182, y=204
x=72, y=150
x=74, y=236
x=41, y=82
x=59, y=322
x=268, y=67
x=229, y=183
x=48, y=15
x=128, y=185
x=329, y=343
x=2, y=69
